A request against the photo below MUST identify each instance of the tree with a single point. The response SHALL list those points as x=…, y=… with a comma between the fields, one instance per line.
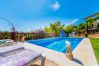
x=90, y=21
x=69, y=28
x=55, y=27
x=48, y=29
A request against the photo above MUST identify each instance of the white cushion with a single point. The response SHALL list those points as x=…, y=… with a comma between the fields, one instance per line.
x=19, y=59
x=9, y=48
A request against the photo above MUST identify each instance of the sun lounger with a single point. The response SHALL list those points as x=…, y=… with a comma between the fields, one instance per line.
x=8, y=41
x=6, y=44
x=20, y=58
x=2, y=41
x=10, y=48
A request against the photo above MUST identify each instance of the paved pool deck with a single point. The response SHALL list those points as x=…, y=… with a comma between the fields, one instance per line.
x=83, y=54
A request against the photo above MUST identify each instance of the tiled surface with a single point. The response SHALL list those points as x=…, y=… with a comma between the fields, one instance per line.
x=83, y=55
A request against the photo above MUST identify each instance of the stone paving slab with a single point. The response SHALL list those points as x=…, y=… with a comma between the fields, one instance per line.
x=83, y=54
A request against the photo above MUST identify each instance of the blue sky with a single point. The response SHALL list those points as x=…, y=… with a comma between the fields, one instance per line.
x=28, y=15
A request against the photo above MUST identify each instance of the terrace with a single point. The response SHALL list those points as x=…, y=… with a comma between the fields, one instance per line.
x=62, y=40
x=49, y=45
x=83, y=55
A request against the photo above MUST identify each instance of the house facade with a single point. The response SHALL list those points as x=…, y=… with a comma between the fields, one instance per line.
x=92, y=23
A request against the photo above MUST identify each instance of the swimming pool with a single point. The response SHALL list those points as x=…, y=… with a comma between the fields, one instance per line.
x=57, y=44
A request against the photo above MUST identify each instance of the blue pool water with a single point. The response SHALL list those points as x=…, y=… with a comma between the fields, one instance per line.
x=57, y=44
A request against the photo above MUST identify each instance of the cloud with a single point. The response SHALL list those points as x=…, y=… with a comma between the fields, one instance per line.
x=55, y=6
x=74, y=21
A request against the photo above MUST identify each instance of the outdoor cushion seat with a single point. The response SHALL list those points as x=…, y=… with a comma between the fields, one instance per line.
x=7, y=41
x=2, y=41
x=10, y=48
x=19, y=59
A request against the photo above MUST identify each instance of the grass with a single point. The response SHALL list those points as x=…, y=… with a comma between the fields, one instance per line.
x=95, y=45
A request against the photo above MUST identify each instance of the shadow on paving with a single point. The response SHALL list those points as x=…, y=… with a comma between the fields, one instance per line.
x=77, y=61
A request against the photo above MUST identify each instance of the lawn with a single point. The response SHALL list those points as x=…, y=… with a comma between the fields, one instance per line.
x=95, y=45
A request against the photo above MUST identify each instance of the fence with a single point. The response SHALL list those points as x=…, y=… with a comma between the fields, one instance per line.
x=29, y=36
